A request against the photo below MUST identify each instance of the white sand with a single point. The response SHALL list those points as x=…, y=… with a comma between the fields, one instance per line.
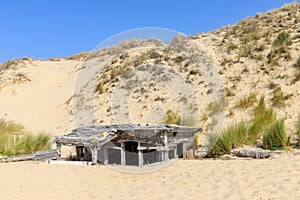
x=194, y=179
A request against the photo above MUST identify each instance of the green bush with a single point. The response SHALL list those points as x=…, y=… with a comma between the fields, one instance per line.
x=274, y=136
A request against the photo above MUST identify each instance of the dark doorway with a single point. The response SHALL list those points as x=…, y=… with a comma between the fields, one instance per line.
x=180, y=150
x=131, y=153
x=79, y=153
x=114, y=156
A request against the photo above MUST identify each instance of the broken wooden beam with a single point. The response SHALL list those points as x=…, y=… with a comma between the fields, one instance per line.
x=257, y=154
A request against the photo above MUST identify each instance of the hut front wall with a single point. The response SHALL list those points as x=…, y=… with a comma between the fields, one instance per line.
x=103, y=152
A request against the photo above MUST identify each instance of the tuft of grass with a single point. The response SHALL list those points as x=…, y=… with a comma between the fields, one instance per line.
x=231, y=137
x=14, y=140
x=274, y=136
x=297, y=64
x=246, y=102
x=229, y=92
x=264, y=125
x=298, y=132
x=203, y=117
x=278, y=97
x=172, y=118
x=262, y=117
x=282, y=38
x=296, y=78
x=100, y=87
x=188, y=121
x=280, y=48
x=212, y=123
x=8, y=64
x=217, y=106
x=9, y=127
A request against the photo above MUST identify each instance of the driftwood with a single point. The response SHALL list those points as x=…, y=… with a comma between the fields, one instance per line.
x=257, y=154
x=37, y=156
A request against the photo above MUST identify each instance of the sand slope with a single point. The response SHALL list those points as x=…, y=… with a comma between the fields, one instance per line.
x=38, y=101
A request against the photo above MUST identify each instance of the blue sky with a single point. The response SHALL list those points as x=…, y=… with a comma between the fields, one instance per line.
x=45, y=29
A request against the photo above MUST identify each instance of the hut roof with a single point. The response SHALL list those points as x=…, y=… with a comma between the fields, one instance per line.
x=90, y=135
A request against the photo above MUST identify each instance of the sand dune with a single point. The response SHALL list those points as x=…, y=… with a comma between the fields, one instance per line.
x=39, y=102
x=38, y=94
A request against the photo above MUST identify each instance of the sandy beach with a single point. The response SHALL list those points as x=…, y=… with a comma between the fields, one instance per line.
x=184, y=179
x=258, y=56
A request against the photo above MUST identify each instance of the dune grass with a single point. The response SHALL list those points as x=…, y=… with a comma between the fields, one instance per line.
x=274, y=136
x=15, y=140
x=262, y=117
x=172, y=118
x=175, y=117
x=217, y=106
x=247, y=101
x=298, y=132
x=263, y=125
x=278, y=97
x=231, y=137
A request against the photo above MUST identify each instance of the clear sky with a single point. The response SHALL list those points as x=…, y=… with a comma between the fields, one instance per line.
x=58, y=28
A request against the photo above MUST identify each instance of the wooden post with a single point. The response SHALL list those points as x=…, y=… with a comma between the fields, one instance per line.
x=85, y=151
x=94, y=155
x=122, y=154
x=140, y=156
x=165, y=153
x=165, y=139
x=184, y=150
x=58, y=148
x=105, y=152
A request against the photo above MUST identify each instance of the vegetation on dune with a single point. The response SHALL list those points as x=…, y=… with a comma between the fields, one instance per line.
x=274, y=136
x=263, y=126
x=172, y=118
x=262, y=117
x=278, y=97
x=231, y=137
x=246, y=102
x=297, y=73
x=298, y=132
x=7, y=64
x=296, y=78
x=15, y=140
x=216, y=107
x=280, y=48
x=297, y=64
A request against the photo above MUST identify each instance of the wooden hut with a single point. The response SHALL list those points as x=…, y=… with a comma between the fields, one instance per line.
x=130, y=144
